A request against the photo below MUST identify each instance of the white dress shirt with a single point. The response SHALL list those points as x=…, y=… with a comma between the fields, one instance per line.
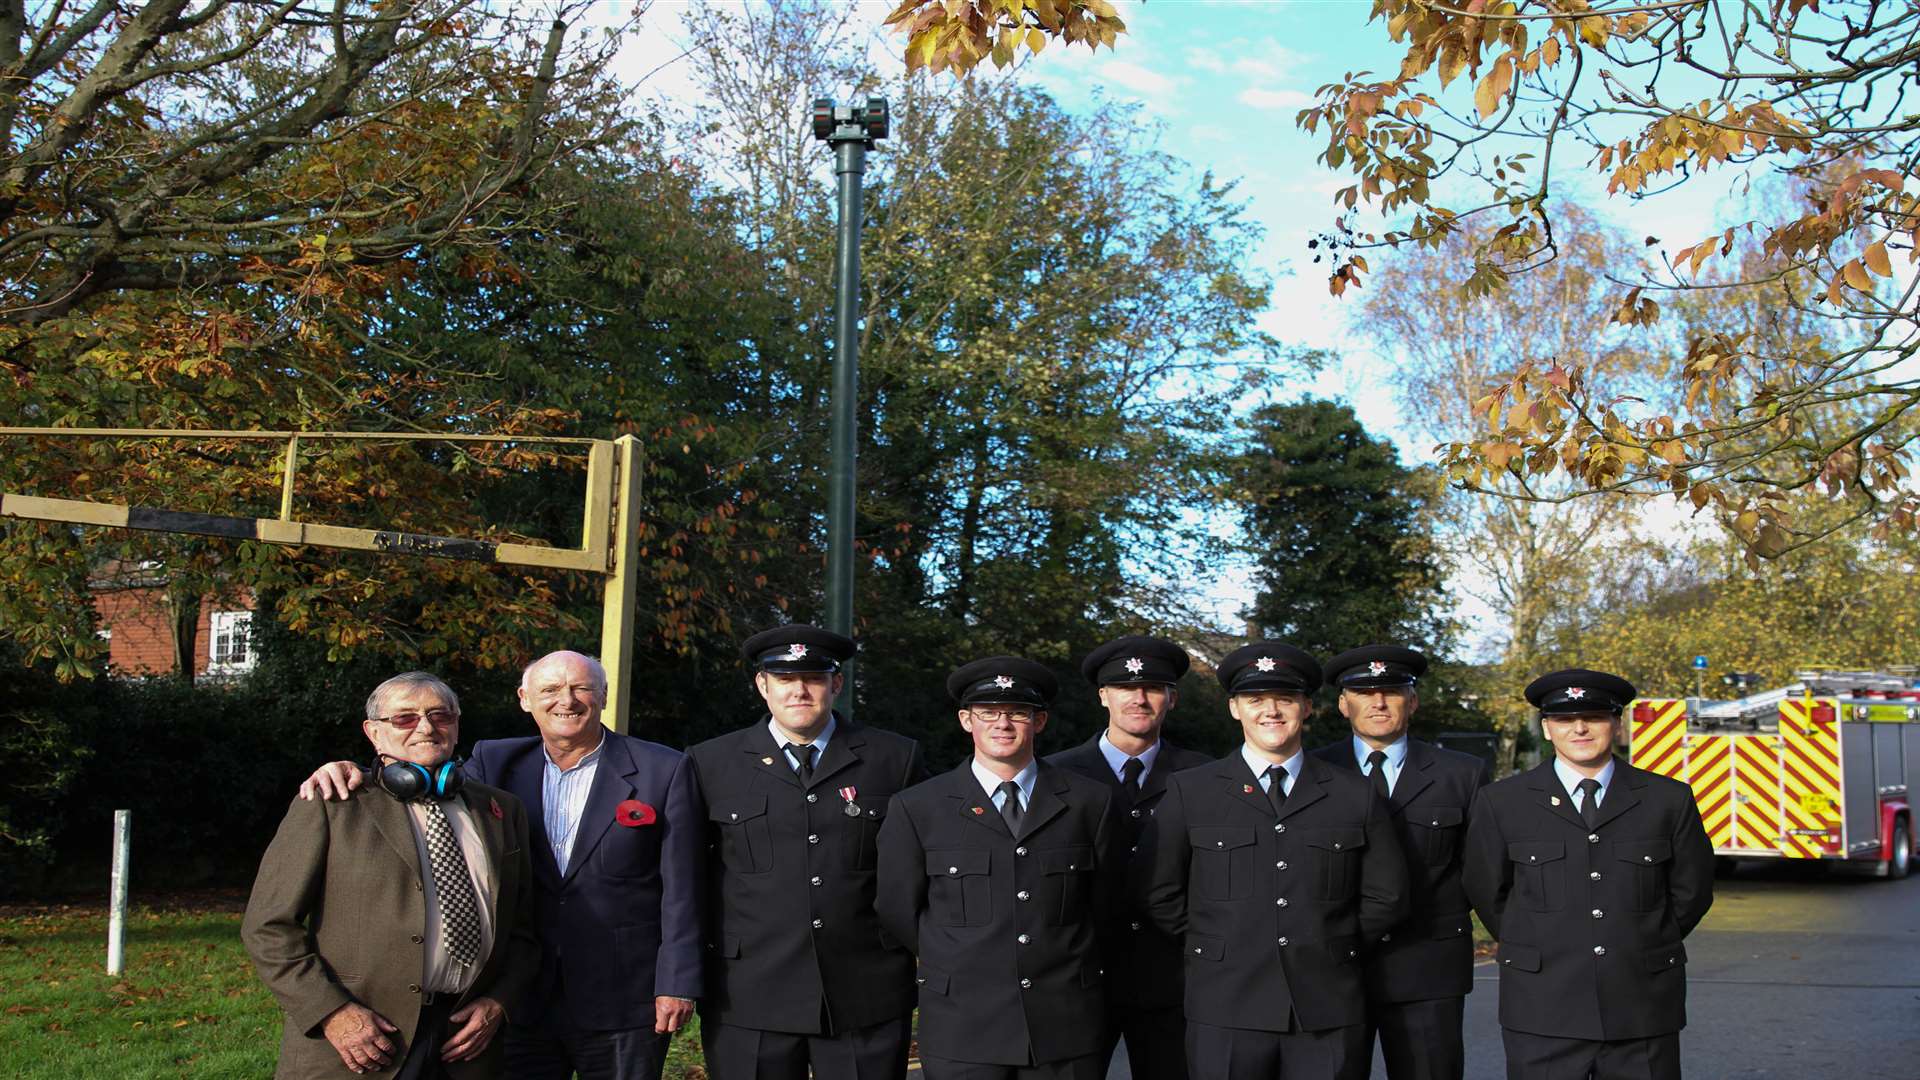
x=442, y=974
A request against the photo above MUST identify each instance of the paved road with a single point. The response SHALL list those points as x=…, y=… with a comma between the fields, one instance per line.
x=1796, y=974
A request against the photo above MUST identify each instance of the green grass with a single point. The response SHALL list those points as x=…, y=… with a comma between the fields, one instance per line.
x=188, y=1003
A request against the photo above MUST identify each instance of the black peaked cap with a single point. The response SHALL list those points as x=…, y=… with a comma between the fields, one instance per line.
x=1578, y=690
x=797, y=648
x=1136, y=659
x=1370, y=667
x=1003, y=680
x=1269, y=665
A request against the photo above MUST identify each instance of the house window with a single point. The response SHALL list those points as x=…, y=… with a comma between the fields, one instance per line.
x=230, y=650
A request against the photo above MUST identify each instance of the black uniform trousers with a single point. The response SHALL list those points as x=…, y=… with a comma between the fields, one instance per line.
x=1085, y=1067
x=1225, y=1053
x=1420, y=1040
x=1545, y=1057
x=876, y=1052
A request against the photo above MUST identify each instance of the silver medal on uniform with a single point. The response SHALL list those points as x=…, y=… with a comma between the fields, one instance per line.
x=852, y=808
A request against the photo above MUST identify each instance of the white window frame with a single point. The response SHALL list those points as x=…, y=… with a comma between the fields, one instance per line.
x=225, y=630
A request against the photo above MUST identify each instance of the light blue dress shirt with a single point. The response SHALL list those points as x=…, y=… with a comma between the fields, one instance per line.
x=1570, y=780
x=819, y=741
x=563, y=799
x=991, y=784
x=1117, y=758
x=1396, y=759
x=1259, y=766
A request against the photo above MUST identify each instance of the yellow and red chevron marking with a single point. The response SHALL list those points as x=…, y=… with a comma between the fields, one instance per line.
x=1656, y=744
x=1710, y=771
x=1810, y=775
x=1757, y=812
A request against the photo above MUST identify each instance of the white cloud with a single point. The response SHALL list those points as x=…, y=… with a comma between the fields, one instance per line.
x=1136, y=78
x=1275, y=99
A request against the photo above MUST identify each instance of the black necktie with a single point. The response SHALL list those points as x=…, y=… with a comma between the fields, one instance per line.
x=1276, y=788
x=1378, y=759
x=1130, y=777
x=804, y=756
x=1010, y=806
x=1590, y=805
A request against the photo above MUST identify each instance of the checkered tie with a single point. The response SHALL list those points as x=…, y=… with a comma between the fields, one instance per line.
x=459, y=914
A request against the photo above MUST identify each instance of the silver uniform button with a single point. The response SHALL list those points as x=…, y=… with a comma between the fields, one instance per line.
x=816, y=879
x=1599, y=950
x=1282, y=902
x=1021, y=895
x=1283, y=943
x=1024, y=939
x=813, y=838
x=951, y=870
x=1594, y=875
x=817, y=924
x=1026, y=984
x=1280, y=826
x=1135, y=813
x=1134, y=925
x=1020, y=851
x=1598, y=914
x=1281, y=865
x=1593, y=838
x=811, y=797
x=1384, y=938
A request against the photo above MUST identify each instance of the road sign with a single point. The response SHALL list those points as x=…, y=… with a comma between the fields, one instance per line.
x=1700, y=663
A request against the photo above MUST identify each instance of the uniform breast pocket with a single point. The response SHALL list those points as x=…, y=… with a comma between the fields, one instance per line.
x=1649, y=862
x=1539, y=873
x=863, y=830
x=1338, y=852
x=1222, y=862
x=1436, y=832
x=1067, y=872
x=746, y=845
x=960, y=886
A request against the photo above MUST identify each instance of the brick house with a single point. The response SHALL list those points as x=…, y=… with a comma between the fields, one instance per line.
x=137, y=621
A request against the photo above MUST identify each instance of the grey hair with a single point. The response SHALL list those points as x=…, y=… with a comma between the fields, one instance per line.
x=599, y=671
x=408, y=681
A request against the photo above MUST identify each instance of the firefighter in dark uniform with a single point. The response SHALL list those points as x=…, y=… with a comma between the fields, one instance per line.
x=800, y=976
x=1590, y=873
x=997, y=875
x=1137, y=679
x=1275, y=869
x=1419, y=973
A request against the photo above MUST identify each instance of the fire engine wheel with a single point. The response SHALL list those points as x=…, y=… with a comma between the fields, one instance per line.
x=1900, y=859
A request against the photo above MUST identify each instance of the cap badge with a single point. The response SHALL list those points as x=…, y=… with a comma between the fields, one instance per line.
x=796, y=650
x=1376, y=668
x=1004, y=682
x=1576, y=692
x=1134, y=665
x=766, y=761
x=1265, y=663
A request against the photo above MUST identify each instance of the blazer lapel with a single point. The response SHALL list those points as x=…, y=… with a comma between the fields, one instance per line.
x=1621, y=795
x=1552, y=797
x=843, y=752
x=612, y=784
x=395, y=823
x=1046, y=803
x=772, y=756
x=1413, y=778
x=1240, y=783
x=1154, y=783
x=1306, y=787
x=524, y=778
x=971, y=802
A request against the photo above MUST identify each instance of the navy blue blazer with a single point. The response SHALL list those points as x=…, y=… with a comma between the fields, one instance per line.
x=623, y=925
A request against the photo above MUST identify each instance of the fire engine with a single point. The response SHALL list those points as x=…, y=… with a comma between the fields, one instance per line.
x=1816, y=769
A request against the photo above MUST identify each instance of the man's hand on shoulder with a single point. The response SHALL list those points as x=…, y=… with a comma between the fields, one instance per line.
x=334, y=780
x=475, y=1025
x=360, y=1036
x=671, y=1013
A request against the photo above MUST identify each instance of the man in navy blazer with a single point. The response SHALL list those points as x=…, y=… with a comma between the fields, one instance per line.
x=618, y=872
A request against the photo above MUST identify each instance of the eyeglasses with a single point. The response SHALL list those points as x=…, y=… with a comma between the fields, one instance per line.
x=407, y=721
x=994, y=716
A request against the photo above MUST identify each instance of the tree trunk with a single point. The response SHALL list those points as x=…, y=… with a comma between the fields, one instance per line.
x=184, y=607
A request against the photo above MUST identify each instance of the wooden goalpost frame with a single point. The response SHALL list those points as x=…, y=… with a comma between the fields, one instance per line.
x=610, y=532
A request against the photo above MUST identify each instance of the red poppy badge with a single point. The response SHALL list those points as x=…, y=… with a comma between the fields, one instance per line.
x=493, y=807
x=633, y=813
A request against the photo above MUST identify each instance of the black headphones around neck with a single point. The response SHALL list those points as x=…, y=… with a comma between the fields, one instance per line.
x=407, y=781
